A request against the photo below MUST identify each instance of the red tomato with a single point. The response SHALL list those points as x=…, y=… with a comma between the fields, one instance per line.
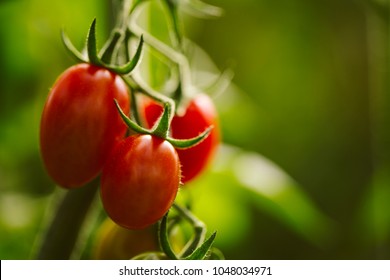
x=199, y=115
x=80, y=123
x=140, y=181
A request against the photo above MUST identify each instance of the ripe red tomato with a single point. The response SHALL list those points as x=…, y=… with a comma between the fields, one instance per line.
x=80, y=123
x=140, y=181
x=199, y=115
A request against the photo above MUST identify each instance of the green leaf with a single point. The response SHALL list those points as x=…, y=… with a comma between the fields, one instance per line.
x=108, y=52
x=92, y=45
x=201, y=252
x=71, y=48
x=161, y=128
x=130, y=123
x=130, y=66
x=188, y=143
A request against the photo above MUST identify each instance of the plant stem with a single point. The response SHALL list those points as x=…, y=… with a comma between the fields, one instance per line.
x=164, y=239
x=199, y=230
x=138, y=84
x=174, y=24
x=63, y=232
x=178, y=57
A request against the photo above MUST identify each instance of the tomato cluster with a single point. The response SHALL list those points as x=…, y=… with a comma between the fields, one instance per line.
x=83, y=135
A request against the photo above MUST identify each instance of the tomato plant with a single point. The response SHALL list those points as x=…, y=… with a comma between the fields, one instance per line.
x=140, y=181
x=80, y=123
x=199, y=115
x=82, y=129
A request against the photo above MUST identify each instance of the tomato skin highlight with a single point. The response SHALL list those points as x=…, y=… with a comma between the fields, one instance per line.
x=198, y=116
x=140, y=181
x=80, y=124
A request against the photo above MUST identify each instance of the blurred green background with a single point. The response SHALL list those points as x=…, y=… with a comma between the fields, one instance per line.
x=304, y=172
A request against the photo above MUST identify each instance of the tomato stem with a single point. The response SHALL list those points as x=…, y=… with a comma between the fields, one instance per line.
x=63, y=233
x=174, y=23
x=204, y=10
x=221, y=83
x=198, y=226
x=138, y=84
x=187, y=90
x=164, y=239
x=197, y=248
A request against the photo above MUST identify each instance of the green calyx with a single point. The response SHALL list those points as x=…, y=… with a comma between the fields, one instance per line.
x=105, y=57
x=161, y=128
